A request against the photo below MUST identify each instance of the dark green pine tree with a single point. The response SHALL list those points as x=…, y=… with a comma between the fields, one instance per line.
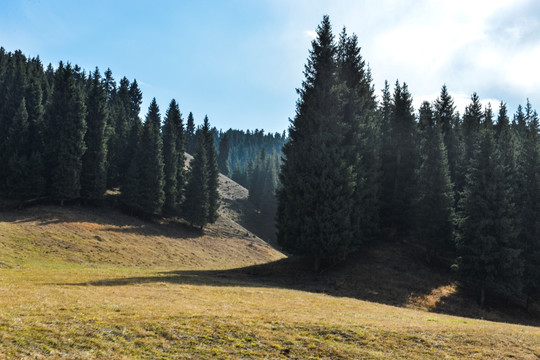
x=399, y=158
x=316, y=197
x=150, y=164
x=135, y=97
x=213, y=172
x=471, y=127
x=18, y=181
x=118, y=133
x=223, y=157
x=435, y=199
x=66, y=124
x=191, y=139
x=93, y=173
x=528, y=195
x=487, y=253
x=362, y=136
x=171, y=157
x=131, y=184
x=36, y=131
x=446, y=118
x=196, y=205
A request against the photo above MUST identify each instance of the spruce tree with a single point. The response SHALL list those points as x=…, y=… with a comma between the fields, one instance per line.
x=171, y=157
x=191, y=139
x=118, y=132
x=66, y=124
x=471, y=126
x=435, y=201
x=93, y=173
x=212, y=171
x=316, y=197
x=196, y=205
x=528, y=195
x=488, y=255
x=150, y=164
x=18, y=181
x=361, y=137
x=131, y=184
x=399, y=162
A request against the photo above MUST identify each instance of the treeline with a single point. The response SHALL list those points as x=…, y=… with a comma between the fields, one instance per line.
x=66, y=135
x=356, y=170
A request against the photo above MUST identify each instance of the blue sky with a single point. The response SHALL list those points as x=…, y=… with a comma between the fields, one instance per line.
x=239, y=61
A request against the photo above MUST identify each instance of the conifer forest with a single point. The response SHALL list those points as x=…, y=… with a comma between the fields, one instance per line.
x=355, y=167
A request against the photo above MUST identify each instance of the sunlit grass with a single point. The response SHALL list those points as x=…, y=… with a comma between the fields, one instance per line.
x=59, y=313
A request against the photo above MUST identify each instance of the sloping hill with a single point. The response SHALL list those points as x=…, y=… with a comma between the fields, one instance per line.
x=48, y=234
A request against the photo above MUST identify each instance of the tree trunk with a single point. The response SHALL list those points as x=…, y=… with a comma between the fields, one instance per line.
x=483, y=296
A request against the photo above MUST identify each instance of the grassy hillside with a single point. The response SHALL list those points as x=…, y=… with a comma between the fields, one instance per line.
x=98, y=284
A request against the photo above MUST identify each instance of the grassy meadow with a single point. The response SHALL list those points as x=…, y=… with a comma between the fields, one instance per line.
x=82, y=284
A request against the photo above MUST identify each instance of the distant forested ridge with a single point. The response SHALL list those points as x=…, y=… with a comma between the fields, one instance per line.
x=357, y=170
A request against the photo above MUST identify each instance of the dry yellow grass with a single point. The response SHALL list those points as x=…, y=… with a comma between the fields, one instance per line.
x=80, y=284
x=115, y=312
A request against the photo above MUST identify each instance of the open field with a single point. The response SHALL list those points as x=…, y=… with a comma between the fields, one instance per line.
x=87, y=284
x=120, y=312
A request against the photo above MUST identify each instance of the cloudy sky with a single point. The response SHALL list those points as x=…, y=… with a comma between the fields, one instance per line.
x=239, y=61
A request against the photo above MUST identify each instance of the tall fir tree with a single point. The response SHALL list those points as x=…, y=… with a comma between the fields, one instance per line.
x=316, y=197
x=488, y=256
x=399, y=163
x=66, y=123
x=472, y=119
x=171, y=157
x=191, y=139
x=361, y=137
x=131, y=183
x=528, y=195
x=150, y=164
x=212, y=170
x=434, y=206
x=93, y=172
x=196, y=205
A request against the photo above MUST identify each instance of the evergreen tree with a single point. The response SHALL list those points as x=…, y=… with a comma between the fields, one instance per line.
x=448, y=121
x=471, y=126
x=434, y=203
x=223, y=157
x=150, y=164
x=212, y=172
x=171, y=156
x=18, y=182
x=486, y=244
x=191, y=139
x=66, y=130
x=528, y=195
x=131, y=183
x=196, y=204
x=399, y=163
x=135, y=96
x=361, y=136
x=316, y=197
x=118, y=133
x=93, y=173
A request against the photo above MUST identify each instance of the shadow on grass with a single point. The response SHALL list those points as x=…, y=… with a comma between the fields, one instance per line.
x=390, y=275
x=106, y=218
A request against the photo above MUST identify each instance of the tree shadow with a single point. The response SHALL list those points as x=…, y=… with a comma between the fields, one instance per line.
x=388, y=275
x=106, y=218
